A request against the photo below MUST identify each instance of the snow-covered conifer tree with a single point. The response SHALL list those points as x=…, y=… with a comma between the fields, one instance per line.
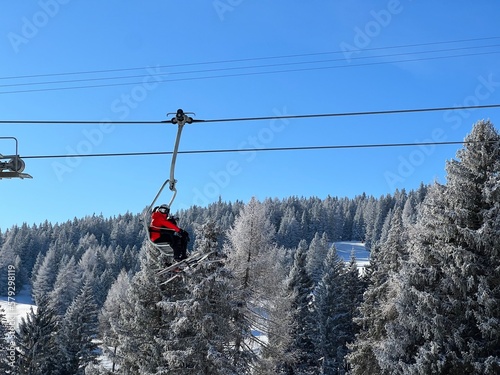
x=334, y=314
x=378, y=306
x=66, y=286
x=251, y=255
x=277, y=318
x=358, y=225
x=38, y=352
x=318, y=249
x=44, y=279
x=289, y=230
x=304, y=333
x=339, y=294
x=384, y=205
x=78, y=331
x=448, y=301
x=202, y=332
x=110, y=322
x=7, y=345
x=143, y=323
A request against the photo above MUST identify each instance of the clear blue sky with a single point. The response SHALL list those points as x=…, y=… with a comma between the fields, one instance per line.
x=167, y=39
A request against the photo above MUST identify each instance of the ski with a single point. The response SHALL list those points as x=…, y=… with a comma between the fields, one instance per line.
x=171, y=279
x=185, y=263
x=180, y=267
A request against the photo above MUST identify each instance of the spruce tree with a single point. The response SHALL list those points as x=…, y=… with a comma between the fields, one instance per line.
x=304, y=333
x=78, y=332
x=378, y=306
x=318, y=249
x=36, y=342
x=66, y=285
x=8, y=352
x=43, y=281
x=448, y=300
x=337, y=297
x=202, y=329
x=143, y=324
x=289, y=230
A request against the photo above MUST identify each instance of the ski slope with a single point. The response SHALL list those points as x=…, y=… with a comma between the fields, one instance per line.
x=17, y=307
x=346, y=248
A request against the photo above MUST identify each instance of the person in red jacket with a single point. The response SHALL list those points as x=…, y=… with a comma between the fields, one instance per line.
x=164, y=229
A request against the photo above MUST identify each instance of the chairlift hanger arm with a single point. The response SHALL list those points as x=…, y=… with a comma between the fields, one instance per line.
x=180, y=119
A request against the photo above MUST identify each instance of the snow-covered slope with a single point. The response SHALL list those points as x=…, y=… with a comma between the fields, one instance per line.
x=18, y=306
x=345, y=249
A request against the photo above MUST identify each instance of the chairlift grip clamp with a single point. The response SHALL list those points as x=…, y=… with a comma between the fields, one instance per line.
x=181, y=118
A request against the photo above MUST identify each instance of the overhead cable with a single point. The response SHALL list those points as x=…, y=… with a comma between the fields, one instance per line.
x=249, y=59
x=249, y=73
x=159, y=79
x=264, y=149
x=239, y=119
x=211, y=70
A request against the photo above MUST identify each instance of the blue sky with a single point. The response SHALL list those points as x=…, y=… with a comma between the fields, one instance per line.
x=318, y=57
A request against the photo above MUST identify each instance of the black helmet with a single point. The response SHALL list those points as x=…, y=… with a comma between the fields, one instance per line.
x=164, y=209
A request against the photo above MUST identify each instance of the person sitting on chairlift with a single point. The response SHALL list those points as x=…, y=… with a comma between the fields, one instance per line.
x=164, y=229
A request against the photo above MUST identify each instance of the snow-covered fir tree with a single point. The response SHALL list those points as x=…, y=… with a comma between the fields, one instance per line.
x=304, y=328
x=289, y=231
x=79, y=329
x=66, y=286
x=378, y=307
x=142, y=322
x=335, y=304
x=448, y=313
x=7, y=346
x=355, y=287
x=43, y=281
x=110, y=322
x=38, y=351
x=316, y=255
x=202, y=332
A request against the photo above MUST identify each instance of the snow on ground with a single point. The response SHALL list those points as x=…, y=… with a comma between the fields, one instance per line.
x=345, y=249
x=16, y=307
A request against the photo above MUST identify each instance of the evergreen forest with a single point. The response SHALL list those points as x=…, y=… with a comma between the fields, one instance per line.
x=273, y=296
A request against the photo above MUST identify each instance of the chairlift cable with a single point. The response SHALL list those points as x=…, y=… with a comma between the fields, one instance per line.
x=261, y=118
x=264, y=149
